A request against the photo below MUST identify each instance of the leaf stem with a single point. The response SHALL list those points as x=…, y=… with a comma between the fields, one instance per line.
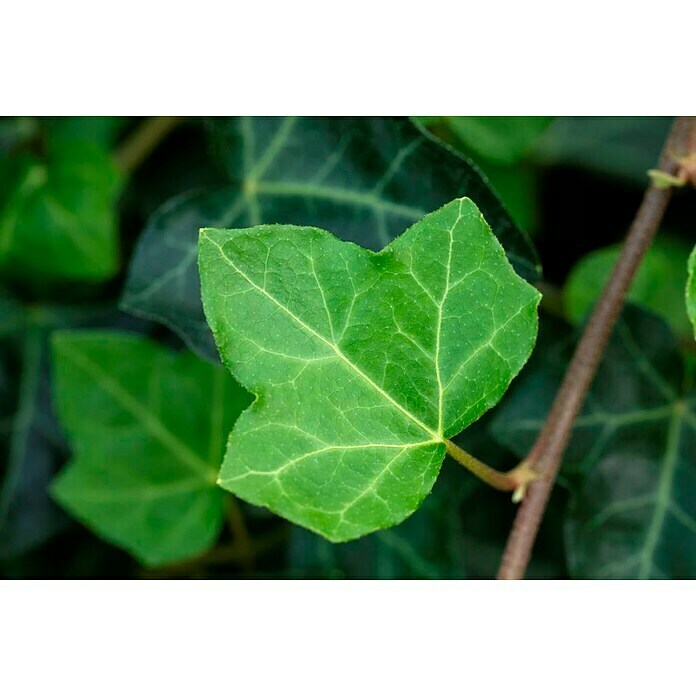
x=141, y=143
x=516, y=479
x=218, y=556
x=547, y=452
x=240, y=533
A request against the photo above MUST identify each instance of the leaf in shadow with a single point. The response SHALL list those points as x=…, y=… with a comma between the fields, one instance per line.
x=148, y=429
x=32, y=444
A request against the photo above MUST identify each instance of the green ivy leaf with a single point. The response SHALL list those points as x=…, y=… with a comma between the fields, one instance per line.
x=147, y=426
x=691, y=290
x=658, y=285
x=57, y=215
x=364, y=178
x=362, y=362
x=629, y=464
x=95, y=129
x=32, y=448
x=501, y=139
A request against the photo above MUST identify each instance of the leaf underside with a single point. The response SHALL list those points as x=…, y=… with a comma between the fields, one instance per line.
x=366, y=179
x=363, y=363
x=629, y=464
x=147, y=428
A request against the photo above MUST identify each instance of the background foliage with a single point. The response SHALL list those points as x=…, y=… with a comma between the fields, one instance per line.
x=79, y=239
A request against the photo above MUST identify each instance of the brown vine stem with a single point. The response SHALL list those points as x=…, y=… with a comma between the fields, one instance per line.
x=146, y=137
x=547, y=452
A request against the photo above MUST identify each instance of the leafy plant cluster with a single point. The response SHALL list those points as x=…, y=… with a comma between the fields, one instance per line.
x=267, y=350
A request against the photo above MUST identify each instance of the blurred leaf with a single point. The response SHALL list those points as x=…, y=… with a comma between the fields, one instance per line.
x=427, y=121
x=148, y=428
x=629, y=464
x=366, y=179
x=518, y=188
x=515, y=181
x=15, y=130
x=658, y=285
x=622, y=146
x=27, y=517
x=691, y=290
x=182, y=163
x=500, y=139
x=102, y=130
x=12, y=315
x=363, y=363
x=57, y=215
x=31, y=443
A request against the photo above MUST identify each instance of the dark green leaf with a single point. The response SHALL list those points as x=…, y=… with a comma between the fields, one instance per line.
x=366, y=179
x=363, y=363
x=629, y=464
x=148, y=428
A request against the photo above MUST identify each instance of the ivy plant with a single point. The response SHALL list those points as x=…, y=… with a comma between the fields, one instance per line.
x=299, y=347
